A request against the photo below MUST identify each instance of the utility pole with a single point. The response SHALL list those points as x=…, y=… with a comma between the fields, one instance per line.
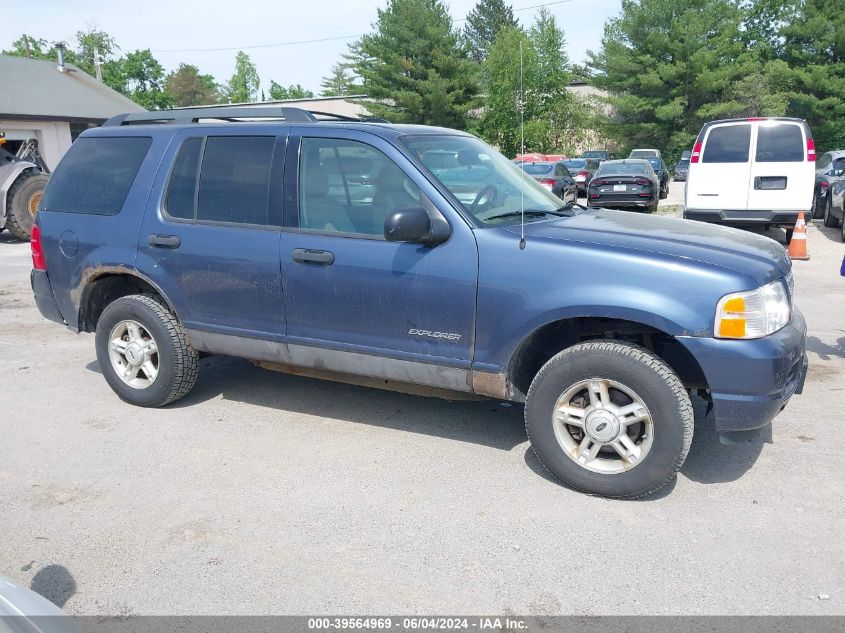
x=26, y=52
x=98, y=61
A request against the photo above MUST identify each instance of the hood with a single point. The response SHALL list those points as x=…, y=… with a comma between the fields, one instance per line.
x=761, y=258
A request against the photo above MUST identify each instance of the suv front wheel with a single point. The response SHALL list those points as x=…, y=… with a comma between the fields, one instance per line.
x=143, y=352
x=609, y=418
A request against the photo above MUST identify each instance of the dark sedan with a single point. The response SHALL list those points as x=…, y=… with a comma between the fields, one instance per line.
x=662, y=172
x=625, y=184
x=682, y=170
x=583, y=169
x=555, y=177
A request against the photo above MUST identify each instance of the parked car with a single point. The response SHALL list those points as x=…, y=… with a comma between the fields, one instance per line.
x=583, y=169
x=625, y=184
x=597, y=154
x=169, y=235
x=682, y=170
x=662, y=172
x=834, y=208
x=555, y=177
x=729, y=184
x=829, y=168
x=645, y=153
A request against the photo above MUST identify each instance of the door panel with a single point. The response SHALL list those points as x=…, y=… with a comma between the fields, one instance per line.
x=363, y=293
x=207, y=239
x=781, y=175
x=720, y=179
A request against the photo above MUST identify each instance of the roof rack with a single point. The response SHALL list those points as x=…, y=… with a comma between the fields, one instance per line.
x=232, y=113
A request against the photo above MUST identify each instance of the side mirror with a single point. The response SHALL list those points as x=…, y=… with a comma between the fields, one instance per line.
x=415, y=226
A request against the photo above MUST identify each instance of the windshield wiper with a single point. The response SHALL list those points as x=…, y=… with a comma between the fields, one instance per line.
x=563, y=212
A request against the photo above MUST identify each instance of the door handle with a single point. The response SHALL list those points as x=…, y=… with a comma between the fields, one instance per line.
x=164, y=241
x=308, y=256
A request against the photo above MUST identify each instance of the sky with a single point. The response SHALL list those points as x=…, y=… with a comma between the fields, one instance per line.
x=192, y=28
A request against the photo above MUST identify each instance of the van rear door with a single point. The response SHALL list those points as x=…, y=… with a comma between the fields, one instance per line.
x=782, y=171
x=718, y=177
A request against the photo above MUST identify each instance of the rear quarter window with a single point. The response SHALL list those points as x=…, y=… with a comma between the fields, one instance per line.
x=96, y=174
x=728, y=144
x=780, y=143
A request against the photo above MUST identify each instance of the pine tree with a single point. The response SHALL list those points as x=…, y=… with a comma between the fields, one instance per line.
x=814, y=48
x=669, y=66
x=414, y=66
x=484, y=22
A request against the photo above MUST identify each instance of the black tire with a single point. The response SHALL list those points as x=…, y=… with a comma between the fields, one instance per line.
x=818, y=209
x=842, y=229
x=829, y=221
x=23, y=199
x=788, y=237
x=652, y=208
x=177, y=360
x=664, y=193
x=636, y=368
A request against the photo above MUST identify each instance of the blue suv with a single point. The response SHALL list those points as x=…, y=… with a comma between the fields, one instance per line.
x=403, y=256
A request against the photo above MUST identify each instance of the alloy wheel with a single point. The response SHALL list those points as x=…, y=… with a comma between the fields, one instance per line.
x=603, y=426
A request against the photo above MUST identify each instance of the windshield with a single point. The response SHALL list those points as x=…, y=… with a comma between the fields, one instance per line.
x=575, y=164
x=484, y=182
x=636, y=168
x=642, y=153
x=655, y=163
x=595, y=154
x=537, y=169
x=683, y=163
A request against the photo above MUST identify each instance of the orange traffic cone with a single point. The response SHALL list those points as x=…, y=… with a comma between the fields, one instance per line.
x=798, y=244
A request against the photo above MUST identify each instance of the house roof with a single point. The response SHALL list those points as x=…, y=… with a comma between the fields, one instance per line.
x=34, y=89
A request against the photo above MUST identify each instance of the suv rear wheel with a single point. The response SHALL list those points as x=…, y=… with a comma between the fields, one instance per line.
x=609, y=418
x=143, y=352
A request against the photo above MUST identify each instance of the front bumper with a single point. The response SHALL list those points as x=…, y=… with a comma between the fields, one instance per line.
x=751, y=381
x=742, y=218
x=44, y=299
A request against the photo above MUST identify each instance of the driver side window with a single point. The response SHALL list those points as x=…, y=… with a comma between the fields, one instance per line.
x=350, y=187
x=838, y=168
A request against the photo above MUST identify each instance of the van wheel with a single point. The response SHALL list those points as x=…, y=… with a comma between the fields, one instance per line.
x=24, y=197
x=609, y=418
x=829, y=221
x=143, y=352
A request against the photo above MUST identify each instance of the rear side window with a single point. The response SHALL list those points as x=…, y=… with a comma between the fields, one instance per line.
x=780, y=143
x=728, y=144
x=235, y=179
x=96, y=174
x=233, y=183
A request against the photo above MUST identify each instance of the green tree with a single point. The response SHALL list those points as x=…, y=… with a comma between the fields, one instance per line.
x=338, y=83
x=414, y=66
x=281, y=93
x=484, y=22
x=669, y=66
x=189, y=88
x=35, y=48
x=554, y=119
x=145, y=81
x=243, y=86
x=814, y=48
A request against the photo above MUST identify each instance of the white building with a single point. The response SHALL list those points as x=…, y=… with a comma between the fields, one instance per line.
x=39, y=100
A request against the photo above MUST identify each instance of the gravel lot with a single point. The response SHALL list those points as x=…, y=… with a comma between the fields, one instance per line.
x=263, y=493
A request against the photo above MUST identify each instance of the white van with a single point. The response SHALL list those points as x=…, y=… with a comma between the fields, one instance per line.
x=757, y=171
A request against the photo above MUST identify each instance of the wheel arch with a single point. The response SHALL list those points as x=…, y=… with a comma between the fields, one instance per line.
x=108, y=284
x=538, y=347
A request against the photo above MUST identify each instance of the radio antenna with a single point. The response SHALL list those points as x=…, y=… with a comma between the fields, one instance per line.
x=521, y=107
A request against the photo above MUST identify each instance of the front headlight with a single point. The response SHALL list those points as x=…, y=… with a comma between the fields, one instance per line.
x=753, y=314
